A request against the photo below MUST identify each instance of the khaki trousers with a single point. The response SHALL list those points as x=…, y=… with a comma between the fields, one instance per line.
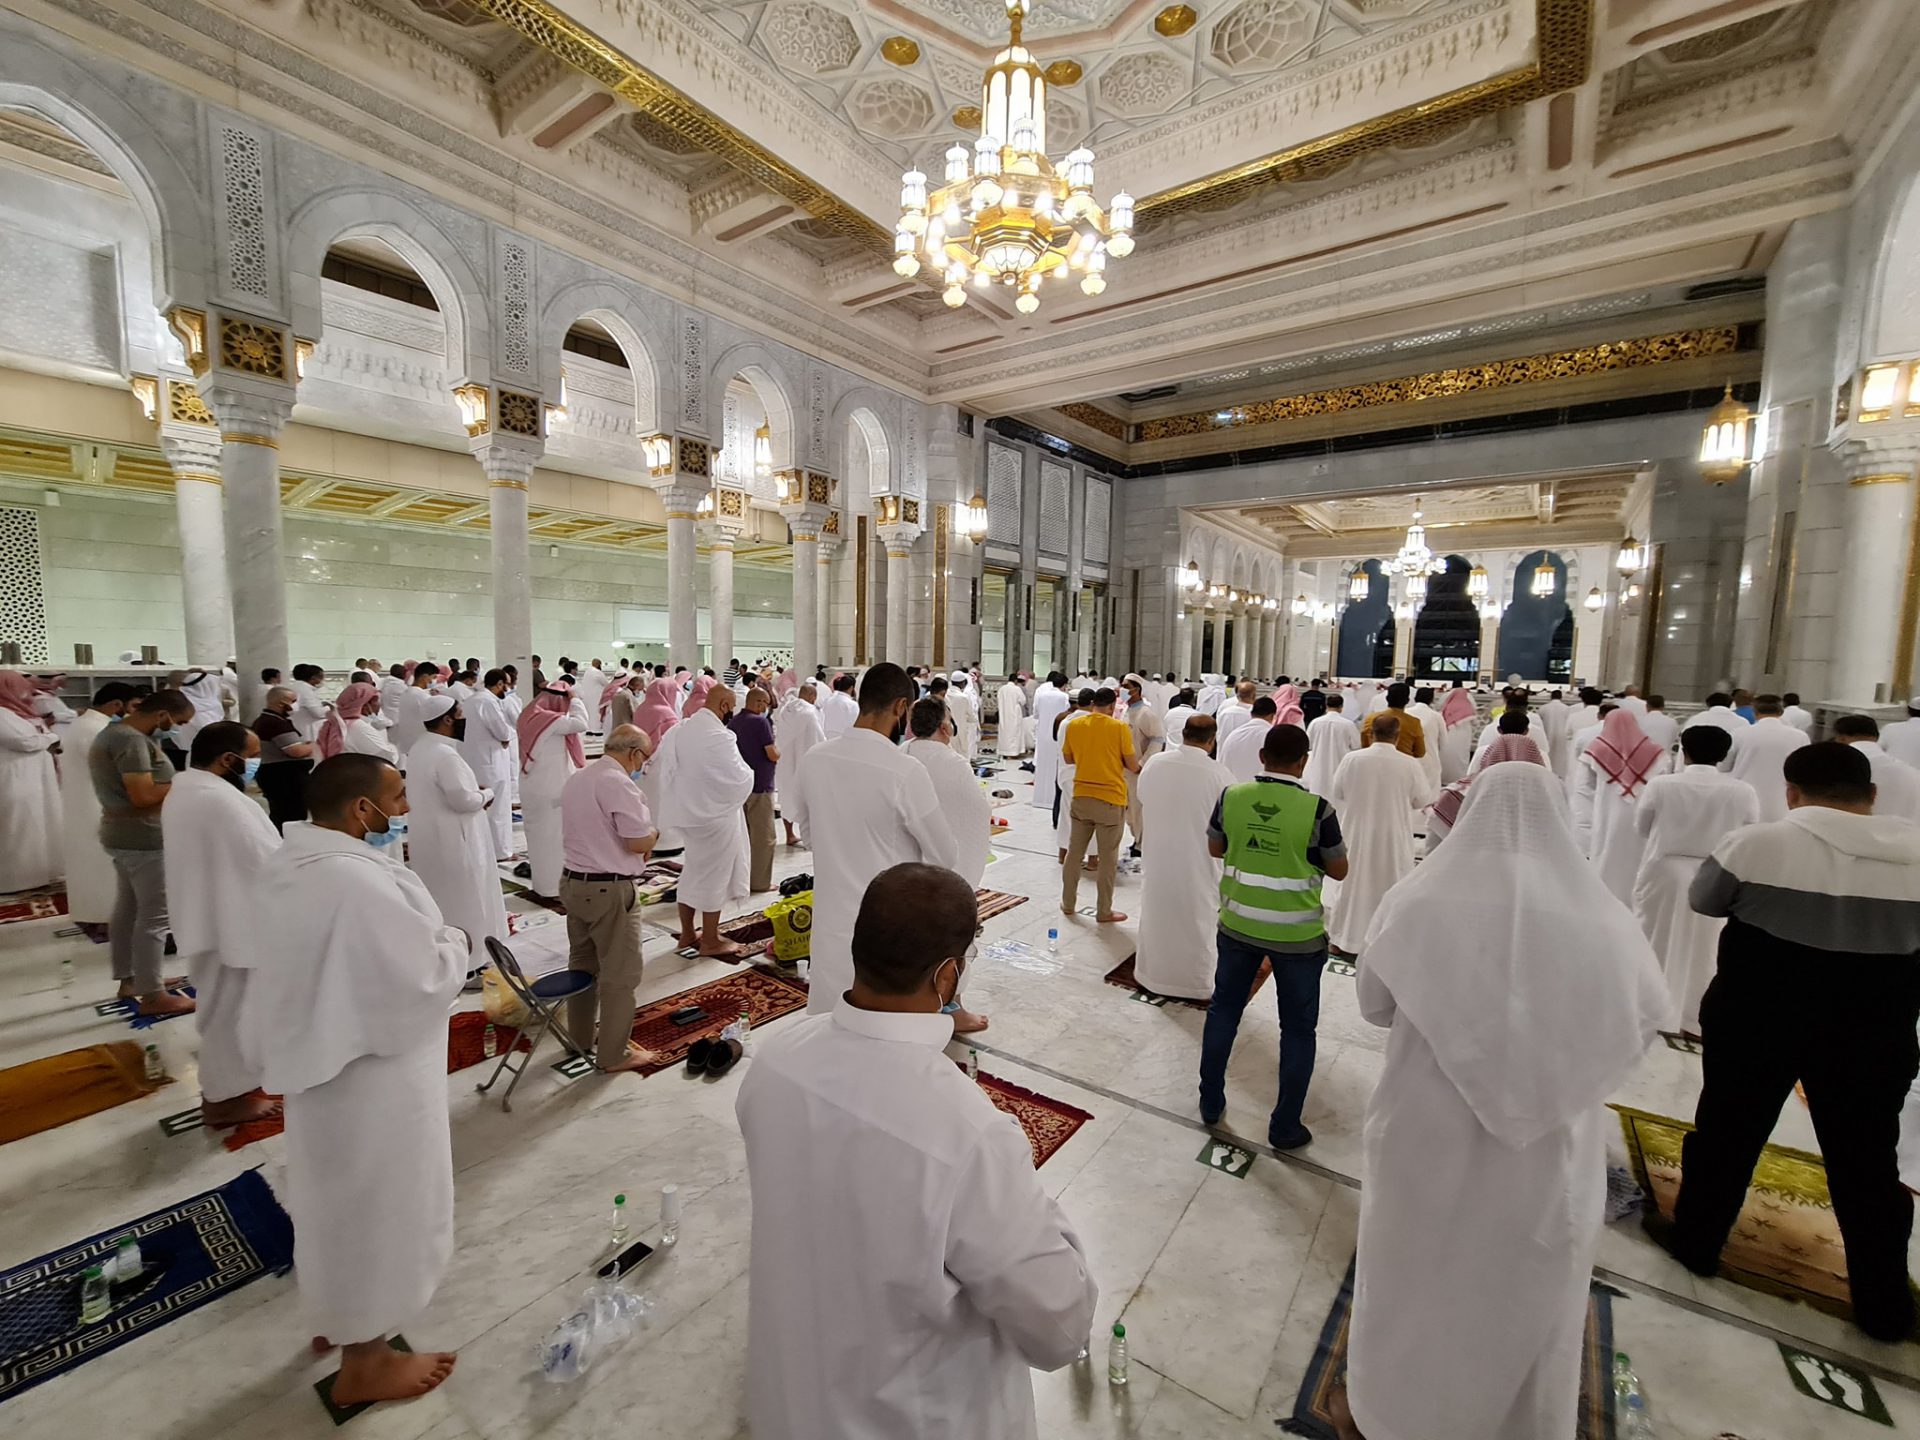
x=603, y=939
x=1092, y=819
x=759, y=808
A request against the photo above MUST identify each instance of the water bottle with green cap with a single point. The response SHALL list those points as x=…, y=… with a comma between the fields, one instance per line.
x=1117, y=1356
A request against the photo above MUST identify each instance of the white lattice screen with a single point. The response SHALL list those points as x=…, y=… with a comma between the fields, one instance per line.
x=1054, y=534
x=1003, y=494
x=23, y=601
x=1099, y=520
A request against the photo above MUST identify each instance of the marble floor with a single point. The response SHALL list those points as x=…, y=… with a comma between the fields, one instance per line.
x=1223, y=1281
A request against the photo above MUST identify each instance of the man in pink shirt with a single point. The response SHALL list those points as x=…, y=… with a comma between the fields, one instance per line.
x=606, y=836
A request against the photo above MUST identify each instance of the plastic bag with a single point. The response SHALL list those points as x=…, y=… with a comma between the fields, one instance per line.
x=792, y=918
x=609, y=1313
x=503, y=1007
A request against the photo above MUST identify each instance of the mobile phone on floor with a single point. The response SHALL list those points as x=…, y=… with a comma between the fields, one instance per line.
x=625, y=1261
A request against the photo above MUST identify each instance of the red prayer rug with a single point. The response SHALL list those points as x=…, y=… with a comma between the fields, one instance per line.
x=47, y=905
x=758, y=991
x=1048, y=1123
x=1122, y=976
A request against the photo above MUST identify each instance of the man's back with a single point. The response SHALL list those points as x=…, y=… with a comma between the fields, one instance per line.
x=906, y=1266
x=1822, y=878
x=1412, y=739
x=1094, y=744
x=1691, y=811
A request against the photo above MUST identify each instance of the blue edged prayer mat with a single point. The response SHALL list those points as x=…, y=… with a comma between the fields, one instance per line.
x=192, y=1253
x=129, y=1010
x=1313, y=1416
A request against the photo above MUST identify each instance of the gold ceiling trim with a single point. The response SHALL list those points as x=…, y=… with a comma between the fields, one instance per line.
x=1443, y=384
x=1565, y=37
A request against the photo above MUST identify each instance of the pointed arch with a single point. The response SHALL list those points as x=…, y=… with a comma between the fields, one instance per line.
x=610, y=306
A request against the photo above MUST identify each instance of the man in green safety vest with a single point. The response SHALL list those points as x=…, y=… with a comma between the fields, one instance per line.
x=1278, y=841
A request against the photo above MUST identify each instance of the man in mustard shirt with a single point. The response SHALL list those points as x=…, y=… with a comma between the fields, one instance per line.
x=1100, y=749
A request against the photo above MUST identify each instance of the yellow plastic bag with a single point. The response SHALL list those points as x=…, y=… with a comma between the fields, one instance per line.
x=503, y=1007
x=792, y=918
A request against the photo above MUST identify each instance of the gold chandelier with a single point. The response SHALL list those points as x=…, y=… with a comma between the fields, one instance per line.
x=1007, y=215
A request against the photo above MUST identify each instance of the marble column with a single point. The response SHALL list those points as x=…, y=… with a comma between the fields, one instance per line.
x=251, y=418
x=1196, y=645
x=823, y=607
x=1402, y=644
x=682, y=495
x=720, y=595
x=509, y=462
x=1182, y=637
x=1879, y=521
x=899, y=542
x=808, y=647
x=195, y=460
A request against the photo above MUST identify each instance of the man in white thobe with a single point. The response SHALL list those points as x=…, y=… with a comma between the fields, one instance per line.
x=838, y=709
x=1720, y=712
x=1631, y=701
x=350, y=1022
x=1555, y=718
x=1240, y=750
x=704, y=783
x=308, y=708
x=449, y=844
x=590, y=687
x=1376, y=790
x=1520, y=995
x=796, y=730
x=1684, y=817
x=1902, y=738
x=1011, y=740
x=1431, y=726
x=1149, y=726
x=1796, y=714
x=907, y=1267
x=488, y=748
x=1048, y=705
x=1180, y=896
x=964, y=716
x=214, y=841
x=1760, y=752
x=91, y=885
x=864, y=804
x=963, y=806
x=1896, y=784
x=1212, y=695
x=1232, y=713
x=409, y=716
x=1661, y=727
x=1330, y=739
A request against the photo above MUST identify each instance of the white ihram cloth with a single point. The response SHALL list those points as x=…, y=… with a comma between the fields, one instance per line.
x=590, y=687
x=1011, y=741
x=1229, y=717
x=1520, y=996
x=393, y=690
x=488, y=748
x=1330, y=739
x=540, y=787
x=361, y=736
x=906, y=1267
x=215, y=841
x=1051, y=701
x=1661, y=728
x=204, y=695
x=32, y=813
x=1613, y=840
x=1180, y=897
x=1759, y=753
x=1375, y=793
x=1240, y=751
x=309, y=710
x=1176, y=724
x=409, y=720
x=1555, y=719
x=1455, y=749
x=703, y=785
x=796, y=730
x=838, y=711
x=966, y=722
x=448, y=844
x=91, y=884
x=1432, y=726
x=1212, y=695
x=1897, y=787
x=1799, y=717
x=1635, y=706
x=347, y=1008
x=1063, y=777
x=964, y=806
x=866, y=806
x=1902, y=740
x=1683, y=817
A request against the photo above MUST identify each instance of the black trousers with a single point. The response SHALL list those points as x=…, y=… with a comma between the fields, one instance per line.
x=284, y=783
x=1843, y=1026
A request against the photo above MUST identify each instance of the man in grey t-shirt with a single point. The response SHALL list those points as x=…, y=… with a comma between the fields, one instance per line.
x=131, y=775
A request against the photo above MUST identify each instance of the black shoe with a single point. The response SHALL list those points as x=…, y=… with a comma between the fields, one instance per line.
x=1890, y=1330
x=523, y=871
x=1664, y=1233
x=1134, y=852
x=1211, y=1118
x=1298, y=1140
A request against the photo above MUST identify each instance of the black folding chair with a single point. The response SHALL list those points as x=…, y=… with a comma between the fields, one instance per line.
x=542, y=999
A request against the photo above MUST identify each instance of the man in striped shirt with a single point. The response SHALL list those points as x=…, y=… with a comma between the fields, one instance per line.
x=1278, y=841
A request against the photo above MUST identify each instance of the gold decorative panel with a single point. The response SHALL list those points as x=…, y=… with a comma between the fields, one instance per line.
x=696, y=458
x=1440, y=384
x=185, y=405
x=253, y=348
x=1064, y=73
x=1175, y=20
x=832, y=527
x=1105, y=421
x=967, y=117
x=910, y=511
x=519, y=414
x=732, y=503
x=941, y=580
x=899, y=50
x=819, y=488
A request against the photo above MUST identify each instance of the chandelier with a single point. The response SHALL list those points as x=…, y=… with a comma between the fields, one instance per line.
x=1631, y=557
x=1415, y=559
x=973, y=520
x=1006, y=214
x=1723, y=444
x=1359, y=586
x=1545, y=582
x=1478, y=585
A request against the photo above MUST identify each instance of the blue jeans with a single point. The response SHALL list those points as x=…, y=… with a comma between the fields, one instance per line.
x=1296, y=987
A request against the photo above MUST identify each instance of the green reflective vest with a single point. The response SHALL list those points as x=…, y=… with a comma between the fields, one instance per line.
x=1268, y=888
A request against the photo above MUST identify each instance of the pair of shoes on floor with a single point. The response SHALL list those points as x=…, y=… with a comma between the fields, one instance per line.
x=713, y=1055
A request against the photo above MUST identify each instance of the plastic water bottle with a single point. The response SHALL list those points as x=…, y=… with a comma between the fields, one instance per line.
x=1053, y=942
x=1630, y=1401
x=1635, y=1422
x=973, y=1064
x=1117, y=1356
x=619, y=1235
x=156, y=1067
x=127, y=1264
x=489, y=1041
x=94, y=1300
x=669, y=1216
x=746, y=1023
x=1625, y=1382
x=563, y=1354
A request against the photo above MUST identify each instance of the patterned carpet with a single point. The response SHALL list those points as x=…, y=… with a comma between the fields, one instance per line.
x=763, y=995
x=1122, y=976
x=1048, y=1123
x=996, y=902
x=42, y=905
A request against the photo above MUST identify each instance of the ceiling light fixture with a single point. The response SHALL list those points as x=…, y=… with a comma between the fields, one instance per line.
x=1007, y=215
x=1595, y=600
x=1632, y=557
x=1415, y=558
x=1301, y=605
x=1360, y=586
x=1723, y=445
x=1545, y=582
x=973, y=519
x=1477, y=583
x=1190, y=577
x=763, y=452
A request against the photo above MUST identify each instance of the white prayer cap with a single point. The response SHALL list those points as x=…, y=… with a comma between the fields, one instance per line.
x=435, y=705
x=1913, y=702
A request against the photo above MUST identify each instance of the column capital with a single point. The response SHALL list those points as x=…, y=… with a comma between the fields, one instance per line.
x=509, y=460
x=1881, y=458
x=898, y=536
x=828, y=544
x=806, y=518
x=682, y=497
x=193, y=452
x=717, y=535
x=249, y=413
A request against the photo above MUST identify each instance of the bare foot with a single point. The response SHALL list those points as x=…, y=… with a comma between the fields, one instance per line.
x=172, y=982
x=1342, y=1414
x=1090, y=866
x=968, y=1022
x=1112, y=918
x=240, y=1110
x=720, y=950
x=792, y=839
x=1063, y=857
x=1068, y=910
x=638, y=1058
x=166, y=1003
x=688, y=942
x=373, y=1370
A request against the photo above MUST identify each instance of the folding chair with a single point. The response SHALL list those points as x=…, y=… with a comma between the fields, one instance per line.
x=542, y=998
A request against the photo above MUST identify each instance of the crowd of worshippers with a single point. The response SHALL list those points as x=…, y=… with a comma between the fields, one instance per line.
x=1604, y=873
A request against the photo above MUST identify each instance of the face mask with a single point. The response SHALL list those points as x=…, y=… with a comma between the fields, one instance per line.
x=251, y=769
x=381, y=839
